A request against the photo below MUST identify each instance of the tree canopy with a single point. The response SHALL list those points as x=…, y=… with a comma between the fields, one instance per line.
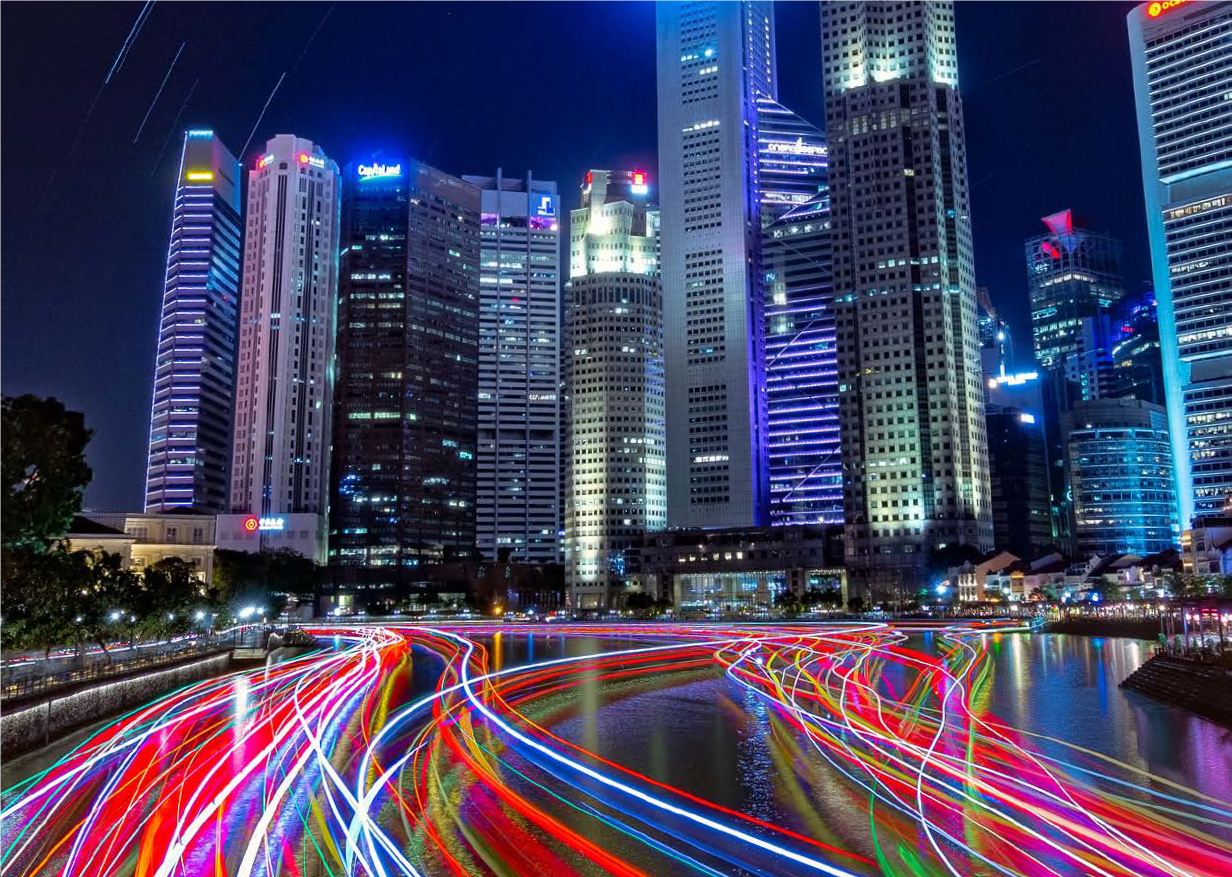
x=44, y=468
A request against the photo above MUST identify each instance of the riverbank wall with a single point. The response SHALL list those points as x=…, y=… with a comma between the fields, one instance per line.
x=1146, y=628
x=34, y=722
x=1204, y=689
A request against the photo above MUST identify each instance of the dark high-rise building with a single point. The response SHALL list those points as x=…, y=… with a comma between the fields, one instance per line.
x=915, y=459
x=1018, y=467
x=802, y=443
x=1074, y=278
x=194, y=373
x=1182, y=67
x=406, y=395
x=1137, y=368
x=715, y=60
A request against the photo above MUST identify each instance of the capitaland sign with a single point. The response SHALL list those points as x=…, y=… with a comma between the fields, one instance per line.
x=1160, y=7
x=379, y=171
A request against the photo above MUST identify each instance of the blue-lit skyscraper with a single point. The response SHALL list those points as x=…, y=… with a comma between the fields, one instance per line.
x=194, y=373
x=806, y=481
x=714, y=61
x=1120, y=462
x=1182, y=67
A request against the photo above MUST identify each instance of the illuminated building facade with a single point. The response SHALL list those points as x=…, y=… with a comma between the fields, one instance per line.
x=1136, y=361
x=1120, y=461
x=284, y=394
x=714, y=61
x=1182, y=67
x=802, y=441
x=519, y=455
x=1074, y=278
x=915, y=458
x=616, y=441
x=406, y=394
x=194, y=372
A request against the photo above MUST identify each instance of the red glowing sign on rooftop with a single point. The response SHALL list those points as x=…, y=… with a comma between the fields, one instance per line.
x=1159, y=7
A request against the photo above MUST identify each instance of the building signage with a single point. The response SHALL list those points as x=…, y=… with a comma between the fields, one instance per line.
x=545, y=206
x=314, y=161
x=1198, y=207
x=1159, y=7
x=252, y=524
x=265, y=160
x=640, y=186
x=796, y=147
x=379, y=171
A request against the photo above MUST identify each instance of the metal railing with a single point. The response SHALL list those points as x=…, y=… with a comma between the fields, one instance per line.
x=44, y=676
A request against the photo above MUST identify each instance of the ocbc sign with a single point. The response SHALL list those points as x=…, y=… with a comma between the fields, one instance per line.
x=1159, y=7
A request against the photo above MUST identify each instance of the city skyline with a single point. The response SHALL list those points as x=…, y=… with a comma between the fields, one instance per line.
x=33, y=364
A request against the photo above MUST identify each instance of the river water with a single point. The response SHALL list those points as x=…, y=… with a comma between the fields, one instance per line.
x=698, y=731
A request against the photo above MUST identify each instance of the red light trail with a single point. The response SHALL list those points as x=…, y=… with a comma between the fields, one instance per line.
x=334, y=763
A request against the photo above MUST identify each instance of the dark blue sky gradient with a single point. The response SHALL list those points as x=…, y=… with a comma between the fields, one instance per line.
x=554, y=87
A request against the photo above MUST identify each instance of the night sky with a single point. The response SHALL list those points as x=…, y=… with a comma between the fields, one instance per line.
x=553, y=87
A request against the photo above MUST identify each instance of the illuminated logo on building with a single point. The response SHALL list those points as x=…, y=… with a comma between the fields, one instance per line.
x=199, y=176
x=265, y=161
x=314, y=161
x=379, y=171
x=545, y=207
x=1198, y=207
x=640, y=186
x=252, y=524
x=1158, y=8
x=795, y=147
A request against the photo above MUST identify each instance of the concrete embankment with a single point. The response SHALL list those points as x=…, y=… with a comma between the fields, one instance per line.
x=33, y=722
x=1204, y=689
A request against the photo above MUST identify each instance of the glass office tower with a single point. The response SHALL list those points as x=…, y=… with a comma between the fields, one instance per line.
x=802, y=442
x=406, y=394
x=1182, y=67
x=194, y=372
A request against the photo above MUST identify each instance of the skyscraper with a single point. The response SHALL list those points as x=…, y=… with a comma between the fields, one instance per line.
x=802, y=439
x=1018, y=474
x=284, y=394
x=616, y=478
x=194, y=373
x=1120, y=461
x=1137, y=366
x=519, y=454
x=1181, y=69
x=408, y=344
x=714, y=61
x=1074, y=278
x=915, y=460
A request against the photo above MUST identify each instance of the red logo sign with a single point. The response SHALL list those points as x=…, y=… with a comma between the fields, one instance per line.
x=1159, y=7
x=250, y=523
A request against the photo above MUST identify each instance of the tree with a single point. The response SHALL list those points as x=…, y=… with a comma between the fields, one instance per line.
x=44, y=470
x=856, y=604
x=263, y=579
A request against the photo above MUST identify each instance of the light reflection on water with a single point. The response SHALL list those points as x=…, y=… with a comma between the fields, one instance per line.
x=713, y=739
